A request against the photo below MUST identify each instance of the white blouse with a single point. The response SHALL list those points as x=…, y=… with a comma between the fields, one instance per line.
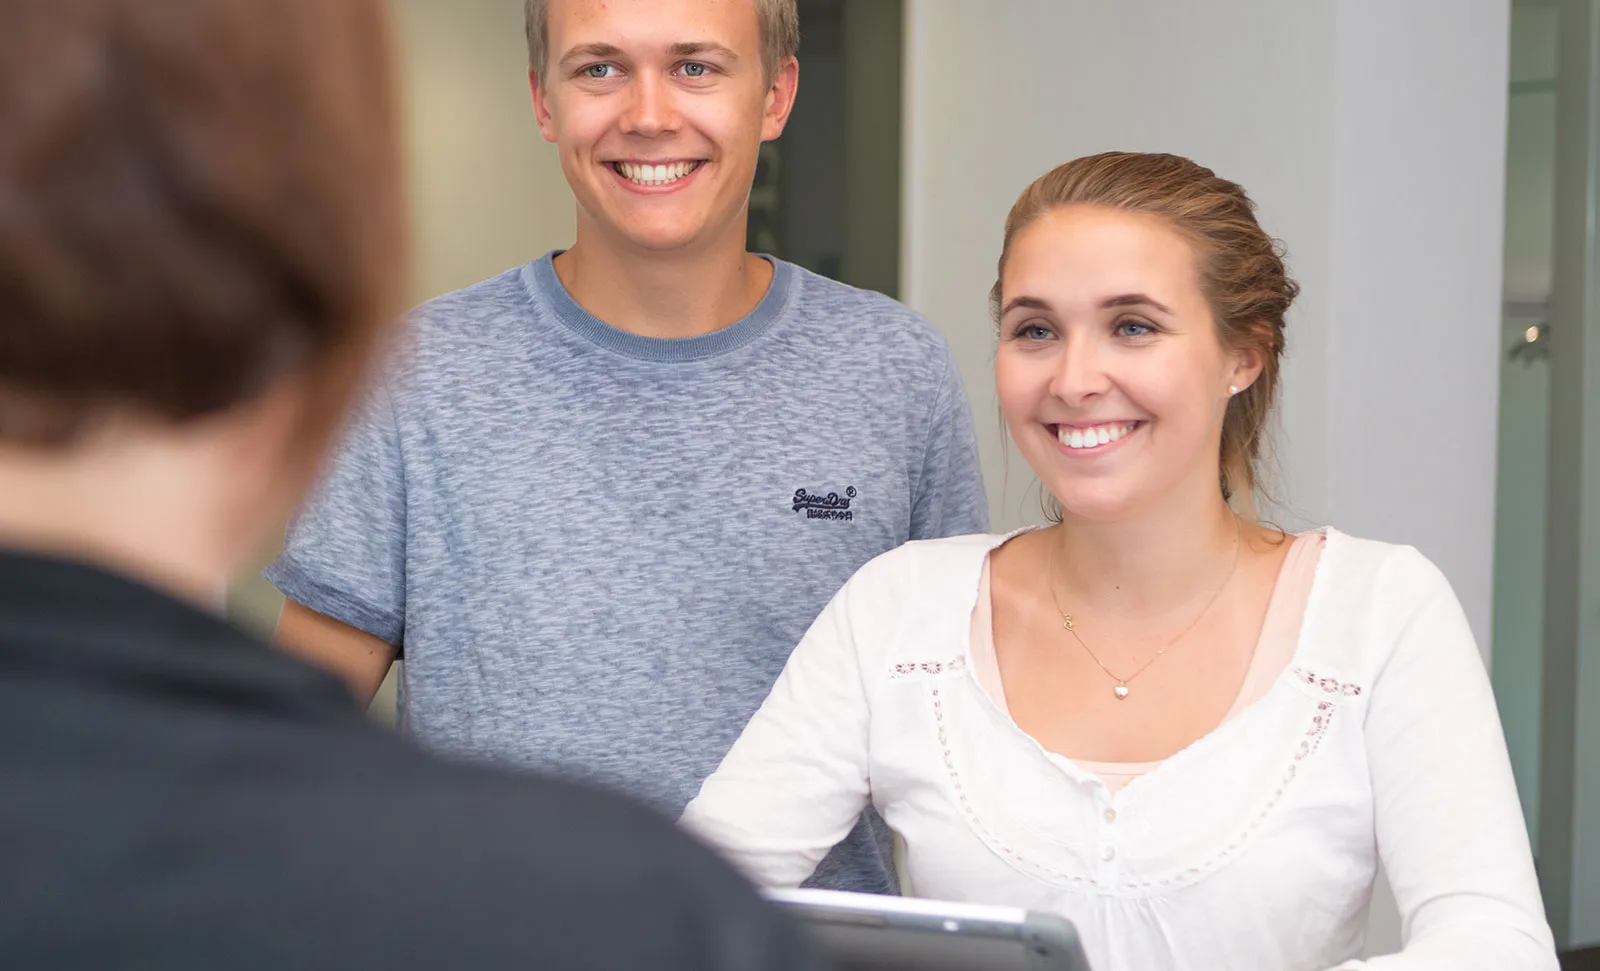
x=1254, y=847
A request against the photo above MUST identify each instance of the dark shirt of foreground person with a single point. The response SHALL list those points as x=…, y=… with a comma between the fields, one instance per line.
x=175, y=796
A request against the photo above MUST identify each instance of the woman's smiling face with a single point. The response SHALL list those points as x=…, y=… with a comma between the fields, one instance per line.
x=1110, y=372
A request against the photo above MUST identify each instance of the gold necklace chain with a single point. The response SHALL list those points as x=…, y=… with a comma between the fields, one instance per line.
x=1120, y=689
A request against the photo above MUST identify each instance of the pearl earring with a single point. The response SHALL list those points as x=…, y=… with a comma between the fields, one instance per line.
x=1233, y=389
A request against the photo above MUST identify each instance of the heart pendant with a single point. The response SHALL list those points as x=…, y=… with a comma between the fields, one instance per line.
x=1121, y=691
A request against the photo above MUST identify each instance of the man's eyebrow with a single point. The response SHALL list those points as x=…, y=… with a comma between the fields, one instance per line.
x=584, y=51
x=700, y=47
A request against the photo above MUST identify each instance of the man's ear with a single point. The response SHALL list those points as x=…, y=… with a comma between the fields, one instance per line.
x=780, y=99
x=541, y=105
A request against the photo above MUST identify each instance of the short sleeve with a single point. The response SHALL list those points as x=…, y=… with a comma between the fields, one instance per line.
x=344, y=553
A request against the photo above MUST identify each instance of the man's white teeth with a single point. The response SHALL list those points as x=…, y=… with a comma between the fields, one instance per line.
x=1095, y=435
x=656, y=174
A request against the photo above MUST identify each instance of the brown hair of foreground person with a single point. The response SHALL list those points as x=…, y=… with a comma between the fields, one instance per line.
x=193, y=210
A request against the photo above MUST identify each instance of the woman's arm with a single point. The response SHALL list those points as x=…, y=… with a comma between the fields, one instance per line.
x=1450, y=829
x=796, y=780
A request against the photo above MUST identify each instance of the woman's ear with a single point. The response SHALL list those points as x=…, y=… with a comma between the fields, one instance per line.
x=1247, y=365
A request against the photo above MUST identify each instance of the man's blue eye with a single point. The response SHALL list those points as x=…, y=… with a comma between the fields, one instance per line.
x=694, y=70
x=597, y=70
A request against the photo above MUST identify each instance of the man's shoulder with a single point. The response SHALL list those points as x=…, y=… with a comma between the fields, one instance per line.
x=451, y=341
x=502, y=295
x=866, y=318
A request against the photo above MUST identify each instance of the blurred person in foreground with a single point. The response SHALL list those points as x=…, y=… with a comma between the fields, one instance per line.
x=200, y=241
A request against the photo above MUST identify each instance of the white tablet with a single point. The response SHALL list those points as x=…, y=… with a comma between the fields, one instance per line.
x=866, y=932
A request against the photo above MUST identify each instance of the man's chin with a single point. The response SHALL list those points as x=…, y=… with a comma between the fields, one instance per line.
x=659, y=239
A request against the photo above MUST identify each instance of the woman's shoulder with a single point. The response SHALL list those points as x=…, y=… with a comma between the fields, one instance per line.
x=1378, y=568
x=949, y=560
x=922, y=591
x=1365, y=596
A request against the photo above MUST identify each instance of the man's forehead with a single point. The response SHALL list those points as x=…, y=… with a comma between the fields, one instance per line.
x=657, y=24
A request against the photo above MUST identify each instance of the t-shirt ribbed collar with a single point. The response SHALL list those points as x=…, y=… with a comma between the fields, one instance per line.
x=545, y=286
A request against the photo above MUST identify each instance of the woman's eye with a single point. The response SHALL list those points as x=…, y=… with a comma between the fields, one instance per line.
x=1033, y=332
x=1134, y=328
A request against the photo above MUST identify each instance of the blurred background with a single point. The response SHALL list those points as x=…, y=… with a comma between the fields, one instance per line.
x=1431, y=166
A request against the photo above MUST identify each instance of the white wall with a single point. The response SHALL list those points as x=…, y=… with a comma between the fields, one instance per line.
x=1371, y=133
x=486, y=191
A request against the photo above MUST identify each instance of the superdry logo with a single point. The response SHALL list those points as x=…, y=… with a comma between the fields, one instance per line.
x=831, y=506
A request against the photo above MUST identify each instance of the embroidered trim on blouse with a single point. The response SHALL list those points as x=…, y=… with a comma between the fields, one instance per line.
x=993, y=841
x=1321, y=721
x=913, y=668
x=1330, y=686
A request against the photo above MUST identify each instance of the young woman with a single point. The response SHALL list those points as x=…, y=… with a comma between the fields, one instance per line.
x=1194, y=735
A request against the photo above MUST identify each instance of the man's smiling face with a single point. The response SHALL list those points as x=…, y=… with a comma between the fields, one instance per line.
x=659, y=109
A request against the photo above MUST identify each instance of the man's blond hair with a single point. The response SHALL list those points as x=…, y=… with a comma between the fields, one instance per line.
x=780, y=33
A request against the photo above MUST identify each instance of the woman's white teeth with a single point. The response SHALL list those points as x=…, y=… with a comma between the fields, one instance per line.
x=1094, y=436
x=656, y=174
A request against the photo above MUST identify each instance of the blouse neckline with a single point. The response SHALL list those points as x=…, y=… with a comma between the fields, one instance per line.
x=1274, y=652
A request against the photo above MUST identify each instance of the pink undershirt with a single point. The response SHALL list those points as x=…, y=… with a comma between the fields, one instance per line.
x=1280, y=631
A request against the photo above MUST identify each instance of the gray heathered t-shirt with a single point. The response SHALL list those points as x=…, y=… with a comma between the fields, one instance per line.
x=598, y=549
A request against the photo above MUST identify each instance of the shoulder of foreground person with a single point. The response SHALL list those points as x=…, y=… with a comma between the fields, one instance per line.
x=484, y=868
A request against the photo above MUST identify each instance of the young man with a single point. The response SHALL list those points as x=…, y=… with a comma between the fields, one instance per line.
x=600, y=497
x=176, y=347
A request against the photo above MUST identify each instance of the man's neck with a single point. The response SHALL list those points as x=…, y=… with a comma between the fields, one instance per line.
x=675, y=294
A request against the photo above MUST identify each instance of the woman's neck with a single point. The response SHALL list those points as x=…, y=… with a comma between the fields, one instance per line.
x=1150, y=564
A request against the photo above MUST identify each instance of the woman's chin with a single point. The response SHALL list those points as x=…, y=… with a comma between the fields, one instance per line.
x=1100, y=504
